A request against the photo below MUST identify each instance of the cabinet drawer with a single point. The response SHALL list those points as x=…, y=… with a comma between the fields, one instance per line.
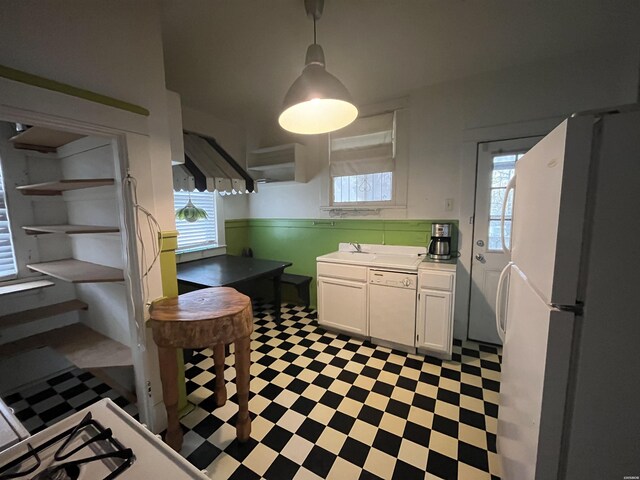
x=436, y=280
x=338, y=270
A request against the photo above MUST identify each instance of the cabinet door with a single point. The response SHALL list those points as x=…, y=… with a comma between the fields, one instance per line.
x=342, y=304
x=434, y=321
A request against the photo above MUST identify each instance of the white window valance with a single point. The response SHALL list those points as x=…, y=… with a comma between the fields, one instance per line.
x=366, y=146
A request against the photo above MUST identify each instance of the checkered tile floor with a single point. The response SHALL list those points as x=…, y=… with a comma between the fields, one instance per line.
x=46, y=403
x=322, y=405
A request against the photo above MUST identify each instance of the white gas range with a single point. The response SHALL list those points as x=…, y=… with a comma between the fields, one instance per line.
x=100, y=442
x=370, y=291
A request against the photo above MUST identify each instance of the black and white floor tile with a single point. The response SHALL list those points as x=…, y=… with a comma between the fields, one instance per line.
x=45, y=403
x=323, y=405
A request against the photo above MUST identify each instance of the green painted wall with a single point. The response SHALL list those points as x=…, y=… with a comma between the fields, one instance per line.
x=236, y=236
x=300, y=241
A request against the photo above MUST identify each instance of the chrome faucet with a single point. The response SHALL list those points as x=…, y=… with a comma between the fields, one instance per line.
x=357, y=246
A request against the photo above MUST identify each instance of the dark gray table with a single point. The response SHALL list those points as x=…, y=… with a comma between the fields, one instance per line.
x=232, y=271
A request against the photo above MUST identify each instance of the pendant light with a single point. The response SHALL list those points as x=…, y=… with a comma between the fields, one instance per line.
x=317, y=102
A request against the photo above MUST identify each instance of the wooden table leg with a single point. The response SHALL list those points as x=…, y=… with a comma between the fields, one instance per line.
x=243, y=363
x=169, y=378
x=277, y=295
x=218, y=362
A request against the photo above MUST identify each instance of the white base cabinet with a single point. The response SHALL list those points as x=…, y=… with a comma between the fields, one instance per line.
x=342, y=298
x=434, y=319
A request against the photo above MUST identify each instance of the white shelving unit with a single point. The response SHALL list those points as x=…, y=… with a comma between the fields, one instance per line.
x=99, y=340
x=282, y=163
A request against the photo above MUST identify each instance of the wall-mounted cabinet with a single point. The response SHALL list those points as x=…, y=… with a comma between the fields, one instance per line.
x=283, y=163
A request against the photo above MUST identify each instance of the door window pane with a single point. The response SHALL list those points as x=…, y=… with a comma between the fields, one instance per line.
x=503, y=170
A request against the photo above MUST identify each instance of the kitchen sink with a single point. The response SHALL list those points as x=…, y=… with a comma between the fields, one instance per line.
x=350, y=257
x=381, y=256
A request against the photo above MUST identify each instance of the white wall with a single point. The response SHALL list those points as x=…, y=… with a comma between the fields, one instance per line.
x=440, y=116
x=447, y=118
x=232, y=139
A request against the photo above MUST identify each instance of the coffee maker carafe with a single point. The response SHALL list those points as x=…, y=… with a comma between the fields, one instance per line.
x=440, y=244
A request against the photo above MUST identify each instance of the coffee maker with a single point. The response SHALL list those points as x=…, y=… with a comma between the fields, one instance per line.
x=440, y=244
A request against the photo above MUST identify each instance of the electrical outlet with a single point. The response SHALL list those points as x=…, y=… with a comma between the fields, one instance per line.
x=448, y=205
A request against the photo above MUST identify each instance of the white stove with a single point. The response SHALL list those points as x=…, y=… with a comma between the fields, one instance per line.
x=101, y=442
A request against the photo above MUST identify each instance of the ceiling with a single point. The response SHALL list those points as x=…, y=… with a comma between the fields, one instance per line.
x=236, y=59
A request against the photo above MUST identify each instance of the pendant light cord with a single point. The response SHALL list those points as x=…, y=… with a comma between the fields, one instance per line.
x=314, y=30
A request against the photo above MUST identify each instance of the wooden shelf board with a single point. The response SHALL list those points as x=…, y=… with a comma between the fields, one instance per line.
x=68, y=229
x=43, y=139
x=59, y=186
x=77, y=271
x=25, y=286
x=33, y=314
x=79, y=344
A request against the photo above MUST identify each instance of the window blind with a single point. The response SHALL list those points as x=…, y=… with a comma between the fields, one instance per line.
x=202, y=232
x=366, y=146
x=7, y=257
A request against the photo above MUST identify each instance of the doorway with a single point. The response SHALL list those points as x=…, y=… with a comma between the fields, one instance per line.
x=495, y=166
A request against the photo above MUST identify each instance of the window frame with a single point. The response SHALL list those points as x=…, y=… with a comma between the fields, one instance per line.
x=400, y=175
x=3, y=195
x=518, y=154
x=218, y=224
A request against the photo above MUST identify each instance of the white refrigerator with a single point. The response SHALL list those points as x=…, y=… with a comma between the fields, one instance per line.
x=568, y=305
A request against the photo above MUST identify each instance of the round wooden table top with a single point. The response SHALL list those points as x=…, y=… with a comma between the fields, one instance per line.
x=201, y=318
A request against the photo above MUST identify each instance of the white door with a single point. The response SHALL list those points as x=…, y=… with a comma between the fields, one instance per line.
x=343, y=304
x=496, y=165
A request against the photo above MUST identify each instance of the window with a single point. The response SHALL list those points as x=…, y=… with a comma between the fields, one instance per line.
x=503, y=169
x=362, y=161
x=7, y=256
x=202, y=233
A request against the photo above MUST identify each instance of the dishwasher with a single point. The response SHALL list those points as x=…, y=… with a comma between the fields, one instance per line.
x=392, y=308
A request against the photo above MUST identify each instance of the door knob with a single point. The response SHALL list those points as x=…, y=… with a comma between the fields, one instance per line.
x=479, y=257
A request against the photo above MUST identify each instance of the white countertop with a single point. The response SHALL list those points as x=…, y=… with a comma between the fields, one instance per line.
x=380, y=256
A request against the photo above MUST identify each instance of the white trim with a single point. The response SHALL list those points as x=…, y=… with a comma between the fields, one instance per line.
x=197, y=254
x=25, y=103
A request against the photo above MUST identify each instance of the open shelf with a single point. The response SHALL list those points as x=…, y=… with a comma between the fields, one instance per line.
x=281, y=163
x=275, y=166
x=79, y=344
x=26, y=316
x=68, y=229
x=59, y=186
x=77, y=271
x=42, y=139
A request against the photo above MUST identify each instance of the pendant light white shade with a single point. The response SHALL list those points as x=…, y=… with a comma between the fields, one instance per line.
x=317, y=102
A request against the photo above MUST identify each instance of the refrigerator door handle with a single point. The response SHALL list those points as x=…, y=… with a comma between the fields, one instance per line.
x=501, y=282
x=510, y=186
